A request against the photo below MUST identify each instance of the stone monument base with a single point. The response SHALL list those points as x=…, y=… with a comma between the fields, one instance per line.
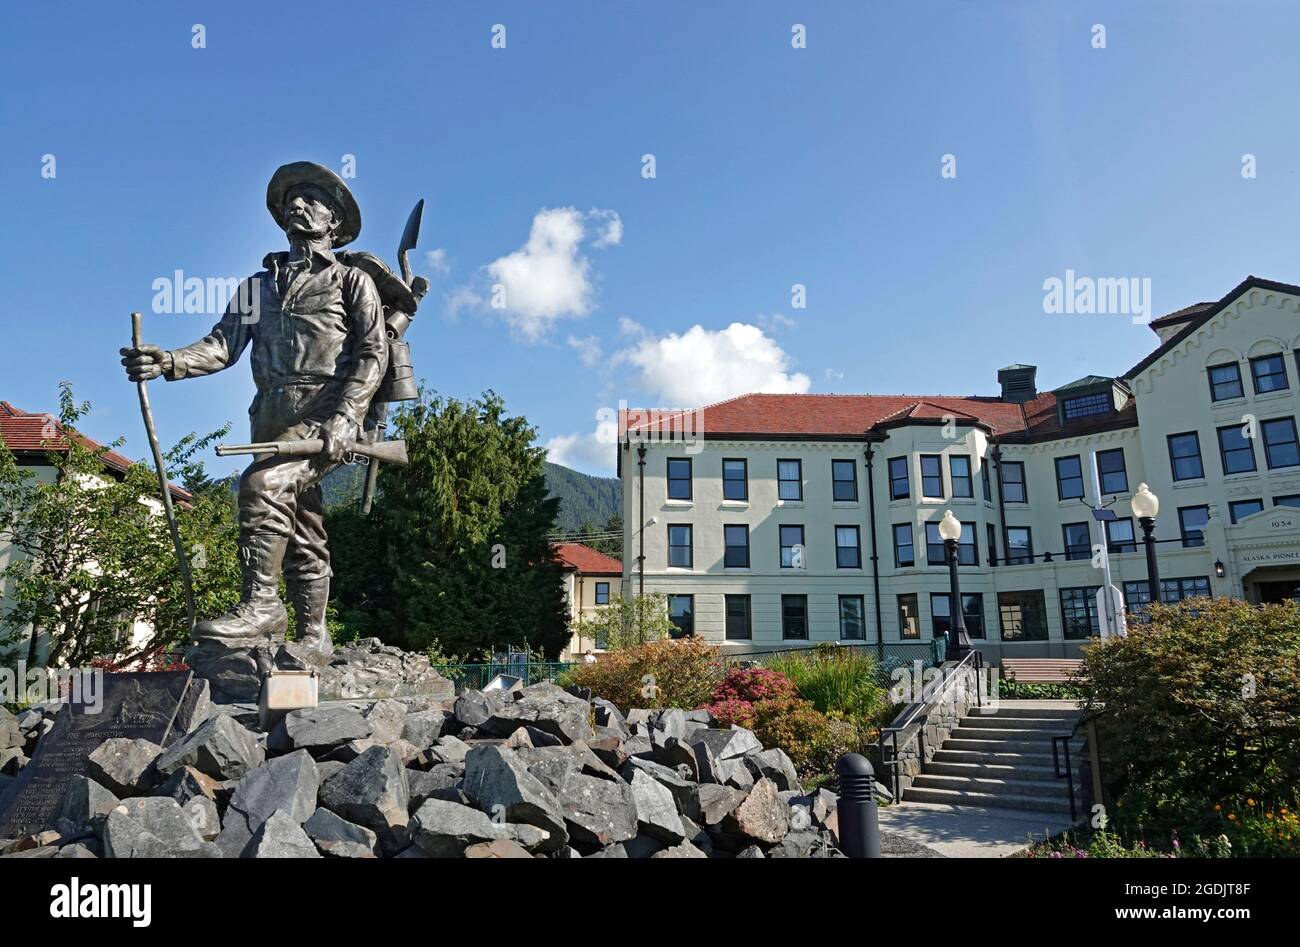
x=361, y=669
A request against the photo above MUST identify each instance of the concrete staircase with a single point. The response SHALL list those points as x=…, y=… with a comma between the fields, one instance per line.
x=1003, y=760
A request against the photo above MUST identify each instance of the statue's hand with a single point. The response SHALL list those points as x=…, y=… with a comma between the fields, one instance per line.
x=145, y=362
x=338, y=433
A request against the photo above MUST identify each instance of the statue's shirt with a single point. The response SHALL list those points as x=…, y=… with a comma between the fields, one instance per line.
x=315, y=322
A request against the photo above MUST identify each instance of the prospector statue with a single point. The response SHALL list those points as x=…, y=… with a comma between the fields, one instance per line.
x=323, y=327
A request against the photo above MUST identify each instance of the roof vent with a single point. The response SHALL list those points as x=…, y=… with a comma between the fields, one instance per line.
x=1018, y=383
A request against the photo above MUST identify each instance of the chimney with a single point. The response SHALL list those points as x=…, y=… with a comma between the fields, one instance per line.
x=1017, y=383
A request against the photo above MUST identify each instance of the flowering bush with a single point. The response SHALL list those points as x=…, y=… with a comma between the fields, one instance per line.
x=668, y=673
x=812, y=740
x=754, y=685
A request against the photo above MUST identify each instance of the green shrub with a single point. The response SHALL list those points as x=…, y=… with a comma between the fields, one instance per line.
x=1200, y=710
x=813, y=741
x=1038, y=690
x=837, y=679
x=670, y=673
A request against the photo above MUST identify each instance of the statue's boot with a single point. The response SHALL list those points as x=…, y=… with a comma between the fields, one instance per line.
x=309, y=597
x=260, y=614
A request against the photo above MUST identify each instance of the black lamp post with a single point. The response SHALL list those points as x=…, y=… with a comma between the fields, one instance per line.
x=958, y=640
x=1145, y=506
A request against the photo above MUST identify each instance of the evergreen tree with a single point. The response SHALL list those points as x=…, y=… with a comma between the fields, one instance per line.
x=456, y=551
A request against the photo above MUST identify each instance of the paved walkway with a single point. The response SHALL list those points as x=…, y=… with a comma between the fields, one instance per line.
x=969, y=831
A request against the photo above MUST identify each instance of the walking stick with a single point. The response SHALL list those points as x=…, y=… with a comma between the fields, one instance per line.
x=137, y=340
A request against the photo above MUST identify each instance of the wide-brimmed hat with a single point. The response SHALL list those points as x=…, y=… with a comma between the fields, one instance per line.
x=306, y=172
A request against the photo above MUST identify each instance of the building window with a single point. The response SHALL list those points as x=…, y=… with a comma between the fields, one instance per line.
x=1137, y=595
x=602, y=593
x=959, y=474
x=1236, y=452
x=848, y=550
x=1020, y=546
x=1013, y=482
x=739, y=625
x=1191, y=522
x=1225, y=382
x=681, y=612
x=1239, y=509
x=844, y=480
x=1069, y=477
x=1023, y=616
x=1082, y=406
x=1110, y=467
x=1185, y=456
x=794, y=617
x=904, y=550
x=1119, y=535
x=1078, y=541
x=789, y=479
x=909, y=621
x=1079, y=612
x=853, y=626
x=791, y=538
x=899, y=488
x=681, y=554
x=1280, y=447
x=984, y=480
x=735, y=479
x=1269, y=374
x=972, y=612
x=967, y=549
x=736, y=538
x=679, y=478
x=932, y=476
x=1291, y=499
x=1175, y=590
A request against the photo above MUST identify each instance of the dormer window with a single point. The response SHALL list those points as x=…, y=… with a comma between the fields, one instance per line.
x=1082, y=406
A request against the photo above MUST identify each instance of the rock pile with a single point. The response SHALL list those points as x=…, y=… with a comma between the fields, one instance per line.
x=537, y=772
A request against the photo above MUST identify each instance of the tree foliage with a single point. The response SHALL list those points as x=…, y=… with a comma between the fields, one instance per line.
x=1199, y=708
x=455, y=550
x=90, y=550
x=625, y=622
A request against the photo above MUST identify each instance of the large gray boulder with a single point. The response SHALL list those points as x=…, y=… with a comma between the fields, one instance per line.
x=475, y=708
x=219, y=748
x=318, y=730
x=387, y=719
x=728, y=744
x=85, y=803
x=544, y=707
x=280, y=836
x=152, y=827
x=338, y=838
x=372, y=792
x=446, y=829
x=763, y=817
x=656, y=811
x=422, y=727
x=776, y=766
x=499, y=783
x=11, y=734
x=124, y=766
x=287, y=784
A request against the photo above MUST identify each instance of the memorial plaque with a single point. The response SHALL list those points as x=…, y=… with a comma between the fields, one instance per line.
x=147, y=706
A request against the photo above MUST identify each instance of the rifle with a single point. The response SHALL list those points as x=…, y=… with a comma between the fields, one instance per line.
x=389, y=452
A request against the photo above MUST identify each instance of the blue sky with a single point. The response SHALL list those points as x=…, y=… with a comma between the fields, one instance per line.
x=773, y=166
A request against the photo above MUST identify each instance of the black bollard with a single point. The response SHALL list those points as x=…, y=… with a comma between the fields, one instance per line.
x=856, y=811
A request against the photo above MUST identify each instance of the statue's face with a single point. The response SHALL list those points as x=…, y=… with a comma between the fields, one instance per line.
x=309, y=211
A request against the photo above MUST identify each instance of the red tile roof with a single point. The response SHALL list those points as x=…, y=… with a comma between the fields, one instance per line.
x=586, y=560
x=26, y=433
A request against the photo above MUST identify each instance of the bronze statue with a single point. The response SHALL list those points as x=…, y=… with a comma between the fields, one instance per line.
x=321, y=325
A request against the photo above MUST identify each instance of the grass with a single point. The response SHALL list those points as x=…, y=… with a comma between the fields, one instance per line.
x=837, y=680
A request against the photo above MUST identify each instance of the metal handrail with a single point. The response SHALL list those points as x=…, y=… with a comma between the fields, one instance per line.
x=916, y=709
x=1068, y=775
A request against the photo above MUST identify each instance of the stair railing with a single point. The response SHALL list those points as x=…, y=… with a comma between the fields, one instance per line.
x=910, y=721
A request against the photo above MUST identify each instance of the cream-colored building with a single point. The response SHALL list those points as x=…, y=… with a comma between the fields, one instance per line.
x=590, y=579
x=779, y=520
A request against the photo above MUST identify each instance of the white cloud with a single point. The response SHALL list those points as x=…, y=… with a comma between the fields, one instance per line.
x=588, y=349
x=436, y=260
x=702, y=366
x=833, y=375
x=776, y=321
x=590, y=453
x=548, y=278
x=463, y=297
